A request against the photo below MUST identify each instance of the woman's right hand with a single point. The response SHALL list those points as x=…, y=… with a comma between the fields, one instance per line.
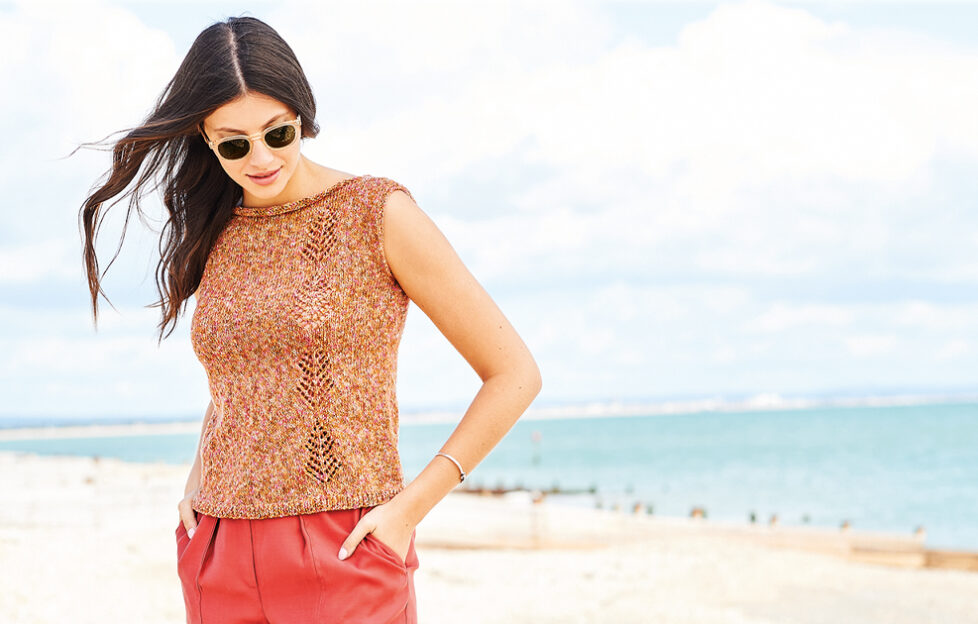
x=187, y=512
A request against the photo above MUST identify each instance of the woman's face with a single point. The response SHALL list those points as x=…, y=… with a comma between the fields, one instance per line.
x=252, y=114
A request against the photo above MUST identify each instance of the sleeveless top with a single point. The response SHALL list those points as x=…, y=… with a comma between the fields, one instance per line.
x=297, y=324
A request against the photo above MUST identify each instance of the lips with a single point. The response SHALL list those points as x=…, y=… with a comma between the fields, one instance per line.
x=267, y=178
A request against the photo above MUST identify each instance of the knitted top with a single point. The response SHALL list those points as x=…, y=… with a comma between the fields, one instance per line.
x=297, y=324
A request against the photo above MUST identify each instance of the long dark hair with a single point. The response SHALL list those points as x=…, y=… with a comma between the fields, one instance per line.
x=228, y=59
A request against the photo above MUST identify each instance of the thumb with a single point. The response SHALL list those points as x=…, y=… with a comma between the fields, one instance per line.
x=192, y=526
x=189, y=518
x=353, y=540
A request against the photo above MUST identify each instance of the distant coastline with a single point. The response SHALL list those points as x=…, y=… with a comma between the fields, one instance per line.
x=757, y=402
x=801, y=461
x=34, y=427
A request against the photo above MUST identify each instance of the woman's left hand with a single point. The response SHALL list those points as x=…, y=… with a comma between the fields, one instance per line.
x=388, y=524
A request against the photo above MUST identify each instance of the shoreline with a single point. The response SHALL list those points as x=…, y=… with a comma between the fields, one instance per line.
x=109, y=526
x=52, y=432
x=944, y=529
x=911, y=547
x=762, y=402
x=870, y=546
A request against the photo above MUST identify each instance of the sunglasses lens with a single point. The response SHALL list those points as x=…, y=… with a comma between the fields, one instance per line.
x=280, y=137
x=234, y=149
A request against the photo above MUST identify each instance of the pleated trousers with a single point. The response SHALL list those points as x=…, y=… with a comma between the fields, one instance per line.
x=286, y=571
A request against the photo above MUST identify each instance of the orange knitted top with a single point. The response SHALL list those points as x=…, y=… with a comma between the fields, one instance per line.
x=297, y=324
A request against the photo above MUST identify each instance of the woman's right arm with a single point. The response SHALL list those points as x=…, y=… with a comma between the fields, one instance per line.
x=193, y=480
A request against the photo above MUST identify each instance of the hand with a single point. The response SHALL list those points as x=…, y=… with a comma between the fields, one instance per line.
x=388, y=524
x=187, y=515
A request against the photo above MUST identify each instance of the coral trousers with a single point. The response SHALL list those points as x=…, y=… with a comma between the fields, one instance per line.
x=286, y=571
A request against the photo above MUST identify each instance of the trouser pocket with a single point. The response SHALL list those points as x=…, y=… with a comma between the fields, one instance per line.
x=190, y=556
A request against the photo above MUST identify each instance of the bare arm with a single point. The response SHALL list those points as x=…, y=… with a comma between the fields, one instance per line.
x=193, y=481
x=434, y=277
x=185, y=508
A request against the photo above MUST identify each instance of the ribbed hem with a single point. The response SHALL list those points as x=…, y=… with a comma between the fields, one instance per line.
x=259, y=510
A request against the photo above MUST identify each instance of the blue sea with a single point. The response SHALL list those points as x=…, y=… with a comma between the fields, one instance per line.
x=879, y=468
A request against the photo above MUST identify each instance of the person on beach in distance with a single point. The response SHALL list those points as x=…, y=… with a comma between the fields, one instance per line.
x=296, y=508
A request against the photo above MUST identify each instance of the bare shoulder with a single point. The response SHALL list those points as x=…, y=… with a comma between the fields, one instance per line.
x=404, y=219
x=416, y=249
x=398, y=202
x=434, y=277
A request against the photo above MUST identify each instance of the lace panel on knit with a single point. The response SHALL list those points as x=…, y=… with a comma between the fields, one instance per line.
x=321, y=462
x=315, y=383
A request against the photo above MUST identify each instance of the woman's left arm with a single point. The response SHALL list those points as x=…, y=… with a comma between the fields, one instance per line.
x=434, y=277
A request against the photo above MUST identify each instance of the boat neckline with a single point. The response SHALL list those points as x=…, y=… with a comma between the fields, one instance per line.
x=277, y=209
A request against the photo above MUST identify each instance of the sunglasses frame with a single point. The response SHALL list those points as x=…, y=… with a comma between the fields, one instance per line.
x=214, y=145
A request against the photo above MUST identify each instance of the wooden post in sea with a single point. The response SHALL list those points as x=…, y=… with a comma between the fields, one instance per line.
x=536, y=436
x=536, y=510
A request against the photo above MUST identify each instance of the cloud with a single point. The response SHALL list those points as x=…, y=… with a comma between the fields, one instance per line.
x=780, y=317
x=54, y=363
x=753, y=94
x=871, y=345
x=655, y=219
x=87, y=68
x=924, y=315
x=80, y=71
x=37, y=261
x=953, y=349
x=766, y=142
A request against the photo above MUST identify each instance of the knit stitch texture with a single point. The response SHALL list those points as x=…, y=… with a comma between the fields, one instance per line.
x=297, y=324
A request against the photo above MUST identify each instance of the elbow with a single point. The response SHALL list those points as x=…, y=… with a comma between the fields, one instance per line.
x=533, y=380
x=522, y=378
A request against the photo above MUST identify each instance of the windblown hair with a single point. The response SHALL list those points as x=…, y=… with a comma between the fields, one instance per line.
x=229, y=59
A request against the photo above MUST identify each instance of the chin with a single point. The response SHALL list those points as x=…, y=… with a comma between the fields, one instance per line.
x=263, y=191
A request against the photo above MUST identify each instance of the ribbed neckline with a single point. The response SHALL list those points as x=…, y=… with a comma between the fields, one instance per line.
x=270, y=211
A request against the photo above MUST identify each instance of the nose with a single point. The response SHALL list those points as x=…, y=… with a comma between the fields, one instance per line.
x=260, y=155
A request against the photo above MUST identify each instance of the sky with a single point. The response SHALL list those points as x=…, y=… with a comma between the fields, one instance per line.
x=667, y=200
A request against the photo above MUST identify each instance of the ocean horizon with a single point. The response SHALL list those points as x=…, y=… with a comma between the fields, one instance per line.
x=890, y=467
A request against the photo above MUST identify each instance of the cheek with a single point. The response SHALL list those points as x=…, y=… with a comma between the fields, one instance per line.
x=292, y=160
x=233, y=171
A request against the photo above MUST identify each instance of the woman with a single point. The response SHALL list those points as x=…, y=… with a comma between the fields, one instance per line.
x=296, y=508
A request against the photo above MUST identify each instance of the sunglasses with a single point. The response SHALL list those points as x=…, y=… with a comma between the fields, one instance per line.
x=238, y=146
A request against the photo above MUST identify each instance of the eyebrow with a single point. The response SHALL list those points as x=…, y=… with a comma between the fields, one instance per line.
x=267, y=123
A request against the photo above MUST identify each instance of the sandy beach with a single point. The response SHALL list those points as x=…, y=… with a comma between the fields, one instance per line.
x=85, y=540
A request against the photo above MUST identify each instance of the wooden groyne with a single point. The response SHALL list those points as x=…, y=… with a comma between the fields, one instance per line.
x=873, y=547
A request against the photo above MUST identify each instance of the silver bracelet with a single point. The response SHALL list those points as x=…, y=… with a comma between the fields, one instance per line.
x=462, y=478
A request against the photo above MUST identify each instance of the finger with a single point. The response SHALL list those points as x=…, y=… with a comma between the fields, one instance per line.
x=353, y=540
x=189, y=520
